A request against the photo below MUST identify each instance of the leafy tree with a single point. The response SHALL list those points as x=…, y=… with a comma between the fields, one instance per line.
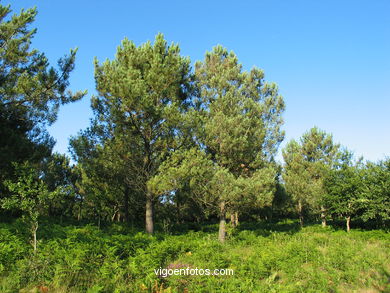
x=307, y=163
x=30, y=195
x=376, y=192
x=108, y=175
x=142, y=95
x=344, y=186
x=60, y=177
x=30, y=92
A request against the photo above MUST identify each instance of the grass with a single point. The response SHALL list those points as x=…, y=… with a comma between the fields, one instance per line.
x=265, y=257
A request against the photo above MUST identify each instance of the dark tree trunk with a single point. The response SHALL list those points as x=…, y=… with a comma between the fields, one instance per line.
x=126, y=204
x=79, y=213
x=149, y=214
x=178, y=215
x=222, y=222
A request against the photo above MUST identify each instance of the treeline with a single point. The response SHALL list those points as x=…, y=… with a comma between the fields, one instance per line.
x=168, y=143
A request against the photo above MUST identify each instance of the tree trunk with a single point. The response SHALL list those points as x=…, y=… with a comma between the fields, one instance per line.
x=234, y=219
x=323, y=216
x=126, y=204
x=348, y=223
x=149, y=214
x=222, y=222
x=115, y=214
x=300, y=212
x=34, y=229
x=79, y=213
x=178, y=215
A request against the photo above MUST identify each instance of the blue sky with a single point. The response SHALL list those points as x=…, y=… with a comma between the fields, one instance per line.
x=331, y=59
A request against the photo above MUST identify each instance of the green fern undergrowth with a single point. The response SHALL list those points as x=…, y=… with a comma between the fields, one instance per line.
x=265, y=257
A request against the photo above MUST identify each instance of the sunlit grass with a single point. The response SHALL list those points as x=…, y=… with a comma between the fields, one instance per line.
x=265, y=258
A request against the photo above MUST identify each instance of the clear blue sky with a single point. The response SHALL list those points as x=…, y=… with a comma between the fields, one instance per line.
x=331, y=59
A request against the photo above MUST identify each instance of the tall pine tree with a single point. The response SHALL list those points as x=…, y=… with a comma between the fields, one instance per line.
x=236, y=126
x=142, y=97
x=31, y=92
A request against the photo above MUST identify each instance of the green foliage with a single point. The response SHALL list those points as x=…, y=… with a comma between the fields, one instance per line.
x=235, y=125
x=360, y=190
x=265, y=257
x=344, y=186
x=307, y=164
x=12, y=248
x=60, y=179
x=142, y=96
x=30, y=92
x=241, y=113
x=28, y=194
x=28, y=84
x=376, y=191
x=186, y=146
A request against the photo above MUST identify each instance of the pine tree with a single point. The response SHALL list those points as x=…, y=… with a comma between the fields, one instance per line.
x=242, y=121
x=236, y=128
x=142, y=97
x=109, y=182
x=307, y=163
x=30, y=92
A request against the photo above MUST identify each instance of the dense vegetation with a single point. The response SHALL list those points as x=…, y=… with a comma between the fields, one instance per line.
x=265, y=257
x=170, y=148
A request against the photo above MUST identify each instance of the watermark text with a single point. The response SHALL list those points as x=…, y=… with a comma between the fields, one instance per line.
x=165, y=272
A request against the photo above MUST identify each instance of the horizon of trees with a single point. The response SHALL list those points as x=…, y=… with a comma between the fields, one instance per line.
x=169, y=143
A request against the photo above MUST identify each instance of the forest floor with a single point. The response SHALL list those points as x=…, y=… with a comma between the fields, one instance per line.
x=264, y=257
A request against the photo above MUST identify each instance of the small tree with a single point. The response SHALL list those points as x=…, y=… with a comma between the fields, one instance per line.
x=376, y=191
x=59, y=177
x=307, y=163
x=344, y=189
x=297, y=178
x=30, y=195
